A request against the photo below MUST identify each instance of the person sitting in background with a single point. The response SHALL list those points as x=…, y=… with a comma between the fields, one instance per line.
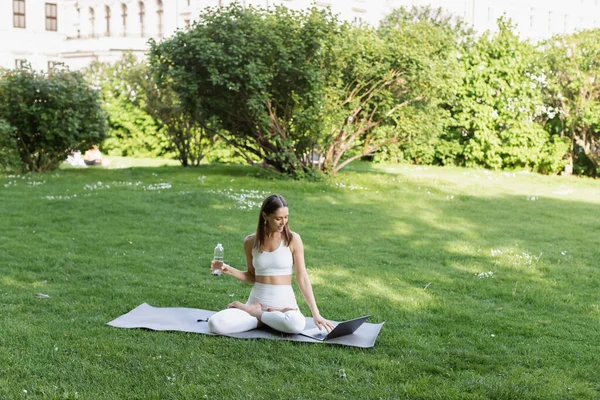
x=94, y=157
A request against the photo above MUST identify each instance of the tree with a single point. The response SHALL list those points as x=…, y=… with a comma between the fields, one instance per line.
x=50, y=115
x=132, y=129
x=573, y=96
x=358, y=100
x=424, y=43
x=253, y=77
x=385, y=86
x=497, y=108
x=190, y=140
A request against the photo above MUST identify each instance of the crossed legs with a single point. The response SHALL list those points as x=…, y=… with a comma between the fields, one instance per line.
x=239, y=317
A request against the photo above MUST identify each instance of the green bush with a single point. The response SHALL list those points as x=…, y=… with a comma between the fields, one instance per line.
x=254, y=77
x=553, y=158
x=52, y=114
x=132, y=130
x=9, y=156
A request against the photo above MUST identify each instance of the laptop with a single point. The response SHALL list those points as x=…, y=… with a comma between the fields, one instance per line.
x=341, y=329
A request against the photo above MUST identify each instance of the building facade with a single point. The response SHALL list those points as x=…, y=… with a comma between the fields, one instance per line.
x=44, y=32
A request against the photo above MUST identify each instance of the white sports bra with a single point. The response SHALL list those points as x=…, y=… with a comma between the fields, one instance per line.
x=274, y=263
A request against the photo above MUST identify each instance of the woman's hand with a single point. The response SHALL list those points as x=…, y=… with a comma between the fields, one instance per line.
x=227, y=269
x=220, y=265
x=322, y=323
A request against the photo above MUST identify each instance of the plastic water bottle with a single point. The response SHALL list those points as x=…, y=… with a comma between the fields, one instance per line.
x=217, y=263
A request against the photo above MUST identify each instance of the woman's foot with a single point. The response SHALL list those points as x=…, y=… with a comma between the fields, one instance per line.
x=253, y=309
x=237, y=304
x=283, y=310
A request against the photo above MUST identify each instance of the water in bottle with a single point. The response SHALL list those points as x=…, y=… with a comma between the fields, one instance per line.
x=217, y=262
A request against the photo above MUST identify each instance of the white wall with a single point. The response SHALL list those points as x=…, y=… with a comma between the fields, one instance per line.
x=78, y=42
x=32, y=43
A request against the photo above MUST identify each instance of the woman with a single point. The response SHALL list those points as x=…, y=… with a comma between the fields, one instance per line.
x=271, y=255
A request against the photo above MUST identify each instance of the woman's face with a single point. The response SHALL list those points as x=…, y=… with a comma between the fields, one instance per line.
x=277, y=220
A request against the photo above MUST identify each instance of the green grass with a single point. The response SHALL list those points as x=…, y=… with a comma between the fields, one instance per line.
x=410, y=246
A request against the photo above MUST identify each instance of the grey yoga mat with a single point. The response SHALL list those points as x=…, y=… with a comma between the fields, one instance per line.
x=187, y=320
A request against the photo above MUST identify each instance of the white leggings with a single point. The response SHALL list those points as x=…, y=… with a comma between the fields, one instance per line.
x=234, y=320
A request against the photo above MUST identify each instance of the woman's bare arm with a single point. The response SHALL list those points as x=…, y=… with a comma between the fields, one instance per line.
x=248, y=275
x=305, y=285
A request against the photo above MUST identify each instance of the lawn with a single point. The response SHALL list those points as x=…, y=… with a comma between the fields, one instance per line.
x=487, y=283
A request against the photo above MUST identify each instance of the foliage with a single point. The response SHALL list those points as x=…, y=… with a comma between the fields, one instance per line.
x=497, y=107
x=51, y=114
x=572, y=95
x=9, y=154
x=133, y=131
x=190, y=140
x=422, y=43
x=361, y=98
x=252, y=77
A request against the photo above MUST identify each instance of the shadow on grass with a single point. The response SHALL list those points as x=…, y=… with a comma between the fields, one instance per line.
x=430, y=252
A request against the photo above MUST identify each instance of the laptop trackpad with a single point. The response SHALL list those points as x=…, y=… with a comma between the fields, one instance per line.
x=316, y=333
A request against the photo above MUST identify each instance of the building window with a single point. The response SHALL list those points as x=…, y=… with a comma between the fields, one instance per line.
x=107, y=16
x=78, y=22
x=531, y=17
x=51, y=17
x=142, y=15
x=159, y=14
x=92, y=22
x=19, y=13
x=124, y=17
x=20, y=63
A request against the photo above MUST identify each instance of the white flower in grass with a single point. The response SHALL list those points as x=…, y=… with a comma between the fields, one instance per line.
x=36, y=183
x=158, y=186
x=350, y=187
x=244, y=199
x=488, y=274
x=563, y=253
x=496, y=252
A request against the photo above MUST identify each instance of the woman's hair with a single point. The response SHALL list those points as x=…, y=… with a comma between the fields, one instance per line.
x=271, y=204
